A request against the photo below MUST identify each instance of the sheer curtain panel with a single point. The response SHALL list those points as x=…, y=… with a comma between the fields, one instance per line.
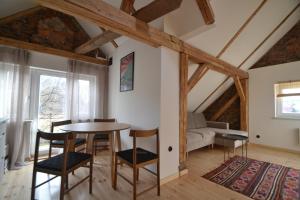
x=96, y=76
x=14, y=92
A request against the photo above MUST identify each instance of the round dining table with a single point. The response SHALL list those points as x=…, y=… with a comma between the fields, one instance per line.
x=113, y=130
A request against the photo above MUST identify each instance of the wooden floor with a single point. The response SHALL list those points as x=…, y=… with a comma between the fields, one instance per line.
x=16, y=185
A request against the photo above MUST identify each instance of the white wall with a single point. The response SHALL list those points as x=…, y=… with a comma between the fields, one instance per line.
x=169, y=112
x=141, y=107
x=153, y=102
x=282, y=133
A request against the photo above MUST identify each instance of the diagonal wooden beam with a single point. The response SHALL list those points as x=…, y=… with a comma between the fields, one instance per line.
x=244, y=106
x=106, y=16
x=113, y=42
x=96, y=41
x=206, y=11
x=127, y=6
x=150, y=12
x=222, y=110
x=197, y=75
x=239, y=88
x=156, y=9
x=49, y=50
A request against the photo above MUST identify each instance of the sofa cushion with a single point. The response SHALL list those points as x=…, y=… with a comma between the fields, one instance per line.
x=196, y=120
x=197, y=138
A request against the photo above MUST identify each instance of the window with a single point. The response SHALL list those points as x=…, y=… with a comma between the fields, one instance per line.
x=52, y=101
x=287, y=96
x=54, y=98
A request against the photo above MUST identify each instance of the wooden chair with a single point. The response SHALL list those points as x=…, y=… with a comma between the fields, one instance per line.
x=79, y=143
x=103, y=138
x=60, y=165
x=139, y=158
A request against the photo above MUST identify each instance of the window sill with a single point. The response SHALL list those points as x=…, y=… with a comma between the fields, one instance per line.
x=286, y=118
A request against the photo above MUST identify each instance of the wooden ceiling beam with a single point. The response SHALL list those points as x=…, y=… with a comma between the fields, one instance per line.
x=49, y=50
x=225, y=107
x=239, y=88
x=215, y=64
x=106, y=35
x=113, y=42
x=206, y=11
x=156, y=9
x=148, y=13
x=197, y=75
x=127, y=6
x=106, y=16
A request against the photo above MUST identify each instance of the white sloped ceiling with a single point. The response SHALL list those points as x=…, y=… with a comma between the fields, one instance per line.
x=230, y=15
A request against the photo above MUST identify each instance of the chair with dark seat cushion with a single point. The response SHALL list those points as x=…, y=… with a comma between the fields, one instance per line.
x=79, y=143
x=62, y=164
x=138, y=158
x=55, y=163
x=101, y=140
x=142, y=155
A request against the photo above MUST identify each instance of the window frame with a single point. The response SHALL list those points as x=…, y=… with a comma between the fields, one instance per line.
x=278, y=102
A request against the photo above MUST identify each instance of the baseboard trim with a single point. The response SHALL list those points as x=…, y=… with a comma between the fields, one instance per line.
x=275, y=148
x=173, y=177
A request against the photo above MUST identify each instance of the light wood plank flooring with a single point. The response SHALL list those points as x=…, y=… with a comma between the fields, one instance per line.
x=16, y=185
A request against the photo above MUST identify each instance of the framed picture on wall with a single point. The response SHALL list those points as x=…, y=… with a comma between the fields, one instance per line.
x=127, y=73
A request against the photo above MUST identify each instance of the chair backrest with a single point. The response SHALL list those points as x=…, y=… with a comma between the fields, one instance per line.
x=105, y=120
x=142, y=134
x=59, y=123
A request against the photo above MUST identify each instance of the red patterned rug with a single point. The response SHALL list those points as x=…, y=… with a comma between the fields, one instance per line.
x=257, y=179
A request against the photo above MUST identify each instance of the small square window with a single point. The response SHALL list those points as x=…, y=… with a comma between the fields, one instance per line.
x=287, y=98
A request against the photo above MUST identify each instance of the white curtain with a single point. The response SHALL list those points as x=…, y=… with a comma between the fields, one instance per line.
x=98, y=100
x=14, y=93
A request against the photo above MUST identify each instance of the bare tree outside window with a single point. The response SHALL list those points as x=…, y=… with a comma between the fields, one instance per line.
x=52, y=97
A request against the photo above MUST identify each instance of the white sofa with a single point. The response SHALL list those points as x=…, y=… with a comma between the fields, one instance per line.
x=201, y=133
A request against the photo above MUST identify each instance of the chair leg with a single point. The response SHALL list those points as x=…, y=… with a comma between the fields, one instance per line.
x=94, y=147
x=115, y=172
x=62, y=187
x=134, y=182
x=158, y=178
x=50, y=151
x=33, y=185
x=67, y=181
x=91, y=176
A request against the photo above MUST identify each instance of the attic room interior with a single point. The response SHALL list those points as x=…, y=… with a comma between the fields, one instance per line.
x=150, y=99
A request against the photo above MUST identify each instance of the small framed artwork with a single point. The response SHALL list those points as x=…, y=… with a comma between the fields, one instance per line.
x=127, y=73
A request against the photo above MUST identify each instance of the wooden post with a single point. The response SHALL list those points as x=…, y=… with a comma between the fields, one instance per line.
x=183, y=107
x=244, y=115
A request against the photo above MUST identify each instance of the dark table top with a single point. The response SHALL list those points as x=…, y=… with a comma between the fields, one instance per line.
x=233, y=137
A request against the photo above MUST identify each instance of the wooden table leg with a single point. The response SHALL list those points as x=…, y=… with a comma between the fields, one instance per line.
x=72, y=143
x=112, y=150
x=118, y=138
x=89, y=147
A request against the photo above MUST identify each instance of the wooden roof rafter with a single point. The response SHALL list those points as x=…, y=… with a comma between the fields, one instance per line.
x=206, y=11
x=49, y=50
